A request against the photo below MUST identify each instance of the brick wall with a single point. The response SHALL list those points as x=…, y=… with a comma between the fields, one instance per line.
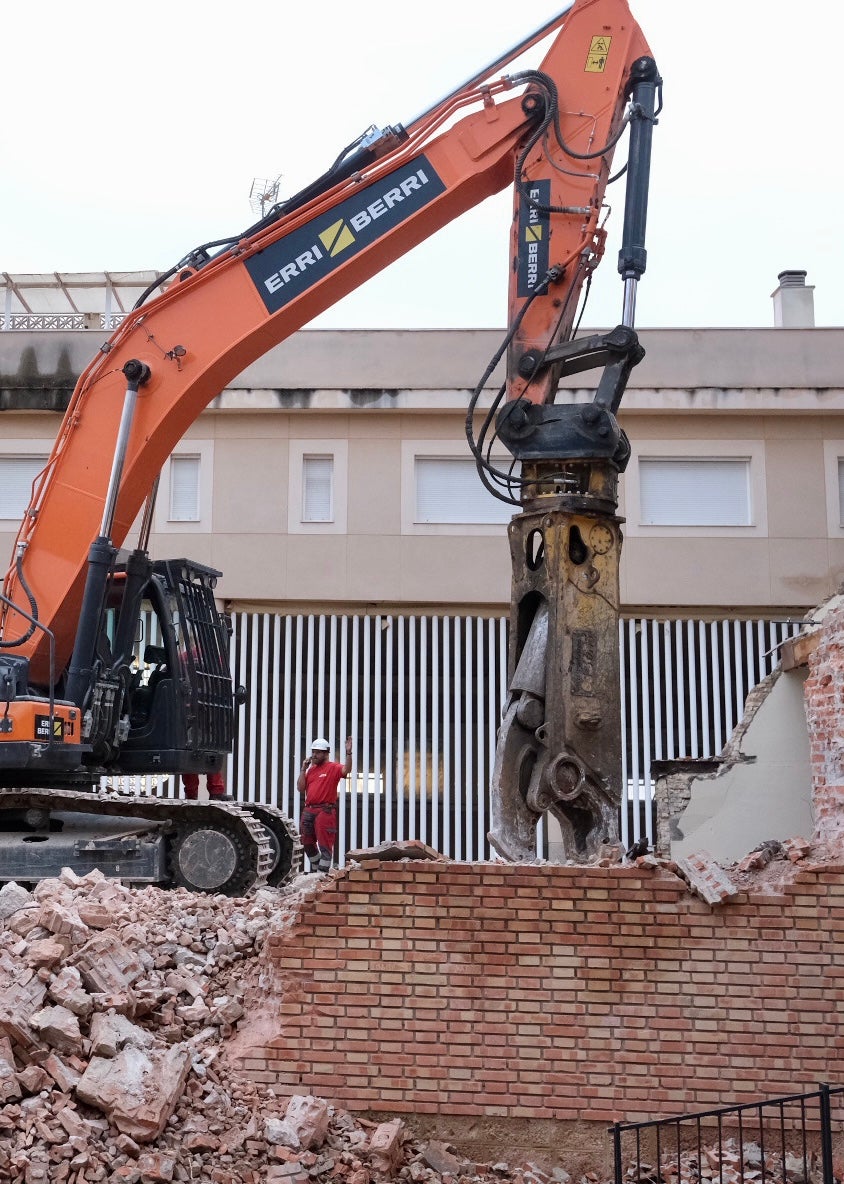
x=550, y=992
x=824, y=696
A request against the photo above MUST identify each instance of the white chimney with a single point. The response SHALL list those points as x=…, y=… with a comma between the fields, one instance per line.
x=794, y=304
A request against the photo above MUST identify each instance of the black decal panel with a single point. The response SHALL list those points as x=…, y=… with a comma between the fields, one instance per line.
x=534, y=229
x=295, y=263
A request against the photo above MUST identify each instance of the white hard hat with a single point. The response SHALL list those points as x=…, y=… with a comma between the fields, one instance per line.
x=320, y=746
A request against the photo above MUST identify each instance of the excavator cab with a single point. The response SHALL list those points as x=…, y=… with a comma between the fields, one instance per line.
x=180, y=700
x=157, y=696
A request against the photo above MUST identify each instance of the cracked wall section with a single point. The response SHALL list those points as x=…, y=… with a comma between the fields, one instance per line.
x=824, y=691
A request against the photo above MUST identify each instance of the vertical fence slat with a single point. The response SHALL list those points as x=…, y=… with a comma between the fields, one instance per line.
x=377, y=762
x=344, y=808
x=389, y=750
x=274, y=663
x=436, y=626
x=424, y=795
x=367, y=794
x=448, y=699
x=324, y=722
x=704, y=676
x=263, y=786
x=402, y=700
x=682, y=747
x=468, y=780
x=456, y=700
x=352, y=781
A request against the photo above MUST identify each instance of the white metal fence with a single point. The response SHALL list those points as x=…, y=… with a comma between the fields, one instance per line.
x=422, y=695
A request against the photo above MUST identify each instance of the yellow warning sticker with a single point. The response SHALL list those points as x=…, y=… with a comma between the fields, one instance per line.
x=337, y=237
x=596, y=59
x=533, y=234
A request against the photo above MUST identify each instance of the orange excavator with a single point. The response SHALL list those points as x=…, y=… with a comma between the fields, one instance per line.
x=75, y=701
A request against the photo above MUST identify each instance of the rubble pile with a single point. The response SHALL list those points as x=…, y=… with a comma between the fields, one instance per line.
x=731, y=1163
x=115, y=1009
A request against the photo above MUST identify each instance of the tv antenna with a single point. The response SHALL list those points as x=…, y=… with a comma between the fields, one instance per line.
x=264, y=193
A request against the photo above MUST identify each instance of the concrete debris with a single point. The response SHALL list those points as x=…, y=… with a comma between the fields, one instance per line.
x=307, y=1116
x=385, y=1145
x=395, y=849
x=13, y=898
x=761, y=856
x=707, y=878
x=137, y=1089
x=731, y=1163
x=116, y=1006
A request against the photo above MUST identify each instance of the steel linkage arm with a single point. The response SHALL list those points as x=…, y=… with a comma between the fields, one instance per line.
x=559, y=748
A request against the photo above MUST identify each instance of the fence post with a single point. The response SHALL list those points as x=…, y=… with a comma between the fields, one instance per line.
x=826, y=1134
x=616, y=1152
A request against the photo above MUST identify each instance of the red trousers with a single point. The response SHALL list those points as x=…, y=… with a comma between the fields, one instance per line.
x=214, y=781
x=318, y=832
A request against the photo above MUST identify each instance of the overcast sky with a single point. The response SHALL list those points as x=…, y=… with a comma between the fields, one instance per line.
x=133, y=132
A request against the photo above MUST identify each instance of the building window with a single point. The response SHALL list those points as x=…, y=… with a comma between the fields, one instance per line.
x=695, y=491
x=17, y=474
x=317, y=488
x=449, y=490
x=185, y=495
x=841, y=491
x=184, y=488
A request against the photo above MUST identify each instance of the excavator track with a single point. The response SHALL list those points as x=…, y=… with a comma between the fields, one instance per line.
x=284, y=839
x=219, y=847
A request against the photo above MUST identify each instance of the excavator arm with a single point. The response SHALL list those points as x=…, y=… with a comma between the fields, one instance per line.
x=550, y=133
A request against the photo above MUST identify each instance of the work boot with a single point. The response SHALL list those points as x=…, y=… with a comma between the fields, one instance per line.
x=220, y=797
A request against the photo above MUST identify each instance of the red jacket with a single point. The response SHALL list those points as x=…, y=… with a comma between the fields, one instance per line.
x=321, y=783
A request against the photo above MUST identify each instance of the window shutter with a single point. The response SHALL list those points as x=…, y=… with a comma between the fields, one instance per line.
x=318, y=489
x=16, y=476
x=184, y=488
x=449, y=490
x=695, y=492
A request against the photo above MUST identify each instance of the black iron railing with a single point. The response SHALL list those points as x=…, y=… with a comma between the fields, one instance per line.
x=786, y=1140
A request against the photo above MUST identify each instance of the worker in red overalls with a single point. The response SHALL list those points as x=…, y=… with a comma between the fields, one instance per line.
x=318, y=781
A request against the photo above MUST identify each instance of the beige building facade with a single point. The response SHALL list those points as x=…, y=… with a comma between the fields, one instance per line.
x=762, y=410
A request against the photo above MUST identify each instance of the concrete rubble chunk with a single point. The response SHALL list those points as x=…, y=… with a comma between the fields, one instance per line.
x=10, y=1089
x=46, y=951
x=66, y=988
x=308, y=1116
x=58, y=1027
x=110, y=1032
x=385, y=1145
x=107, y=965
x=395, y=849
x=438, y=1156
x=155, y=1167
x=64, y=1075
x=63, y=921
x=33, y=1079
x=14, y=1026
x=73, y=1123
x=94, y=915
x=707, y=878
x=138, y=1089
x=13, y=898
x=280, y=1133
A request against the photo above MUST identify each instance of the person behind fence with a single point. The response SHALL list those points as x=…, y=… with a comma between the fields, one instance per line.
x=214, y=784
x=318, y=781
